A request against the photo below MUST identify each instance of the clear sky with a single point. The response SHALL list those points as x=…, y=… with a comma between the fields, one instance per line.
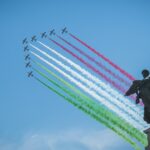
x=32, y=117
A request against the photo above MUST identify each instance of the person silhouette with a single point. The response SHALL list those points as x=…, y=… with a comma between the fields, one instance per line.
x=146, y=94
x=142, y=90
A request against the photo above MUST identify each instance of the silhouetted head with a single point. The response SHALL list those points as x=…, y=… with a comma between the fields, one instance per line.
x=145, y=73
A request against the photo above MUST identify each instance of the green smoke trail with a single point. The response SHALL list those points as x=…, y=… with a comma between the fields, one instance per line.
x=90, y=114
x=100, y=110
x=80, y=100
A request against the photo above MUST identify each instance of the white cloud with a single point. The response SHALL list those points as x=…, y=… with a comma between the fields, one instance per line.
x=69, y=140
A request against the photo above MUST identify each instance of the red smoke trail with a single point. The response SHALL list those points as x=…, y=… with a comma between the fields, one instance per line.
x=104, y=58
x=96, y=62
x=91, y=67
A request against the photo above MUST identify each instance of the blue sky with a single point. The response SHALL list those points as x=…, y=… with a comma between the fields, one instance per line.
x=28, y=114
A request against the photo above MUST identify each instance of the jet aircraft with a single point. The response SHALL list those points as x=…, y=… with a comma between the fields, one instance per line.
x=64, y=30
x=33, y=38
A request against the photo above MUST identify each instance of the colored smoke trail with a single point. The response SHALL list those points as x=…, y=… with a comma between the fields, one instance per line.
x=118, y=122
x=99, y=110
x=121, y=89
x=113, y=83
x=104, y=58
x=136, y=132
x=92, y=93
x=80, y=107
x=121, y=109
x=96, y=62
x=98, y=82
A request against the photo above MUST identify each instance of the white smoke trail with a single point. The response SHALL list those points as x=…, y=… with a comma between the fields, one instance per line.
x=106, y=87
x=92, y=93
x=102, y=92
x=96, y=80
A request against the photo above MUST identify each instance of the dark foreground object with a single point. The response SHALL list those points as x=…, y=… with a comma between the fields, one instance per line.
x=147, y=114
x=148, y=138
x=142, y=89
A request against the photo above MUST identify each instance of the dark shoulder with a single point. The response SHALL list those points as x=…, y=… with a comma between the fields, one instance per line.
x=146, y=82
x=137, y=81
x=136, y=84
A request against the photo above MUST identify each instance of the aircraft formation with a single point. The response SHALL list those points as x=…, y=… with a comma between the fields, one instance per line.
x=34, y=38
x=124, y=117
